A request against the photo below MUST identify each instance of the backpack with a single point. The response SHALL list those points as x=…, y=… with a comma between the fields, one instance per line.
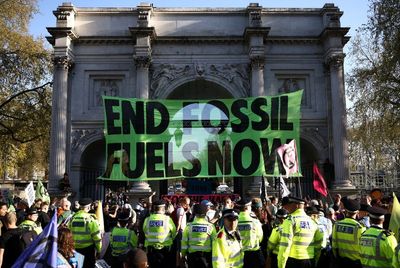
x=25, y=238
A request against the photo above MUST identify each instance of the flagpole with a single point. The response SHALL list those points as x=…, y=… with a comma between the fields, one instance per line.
x=300, y=191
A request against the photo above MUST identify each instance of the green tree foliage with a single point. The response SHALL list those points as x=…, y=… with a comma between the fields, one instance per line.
x=25, y=98
x=374, y=88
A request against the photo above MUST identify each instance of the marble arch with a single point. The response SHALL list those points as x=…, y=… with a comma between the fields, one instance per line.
x=147, y=52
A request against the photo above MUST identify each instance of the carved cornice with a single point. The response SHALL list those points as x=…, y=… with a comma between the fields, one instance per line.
x=335, y=32
x=100, y=40
x=63, y=62
x=256, y=31
x=143, y=31
x=142, y=61
x=59, y=32
x=82, y=136
x=292, y=40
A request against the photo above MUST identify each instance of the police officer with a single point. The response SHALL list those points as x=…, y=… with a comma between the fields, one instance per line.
x=122, y=239
x=197, y=239
x=227, y=247
x=363, y=217
x=86, y=233
x=300, y=242
x=251, y=233
x=273, y=241
x=159, y=231
x=346, y=236
x=377, y=245
x=396, y=257
x=324, y=259
x=29, y=224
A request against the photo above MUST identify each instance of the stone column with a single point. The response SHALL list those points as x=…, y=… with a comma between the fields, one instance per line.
x=143, y=35
x=255, y=34
x=142, y=92
x=57, y=165
x=340, y=152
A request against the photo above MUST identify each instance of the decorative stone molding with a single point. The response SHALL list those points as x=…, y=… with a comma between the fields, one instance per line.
x=104, y=87
x=335, y=61
x=142, y=61
x=63, y=62
x=257, y=62
x=237, y=74
x=162, y=76
x=313, y=135
x=82, y=136
x=255, y=18
x=62, y=14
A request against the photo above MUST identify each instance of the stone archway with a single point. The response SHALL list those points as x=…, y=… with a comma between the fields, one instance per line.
x=92, y=166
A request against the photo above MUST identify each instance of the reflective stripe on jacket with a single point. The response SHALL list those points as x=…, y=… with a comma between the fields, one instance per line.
x=250, y=231
x=159, y=231
x=122, y=240
x=346, y=238
x=226, y=251
x=85, y=230
x=300, y=238
x=377, y=247
x=198, y=236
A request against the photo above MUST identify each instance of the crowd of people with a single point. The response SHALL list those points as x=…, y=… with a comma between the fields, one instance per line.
x=286, y=232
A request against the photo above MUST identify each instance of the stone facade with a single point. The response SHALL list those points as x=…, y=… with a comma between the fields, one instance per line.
x=150, y=52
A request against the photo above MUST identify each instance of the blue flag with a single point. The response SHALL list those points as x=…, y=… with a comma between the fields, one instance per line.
x=42, y=252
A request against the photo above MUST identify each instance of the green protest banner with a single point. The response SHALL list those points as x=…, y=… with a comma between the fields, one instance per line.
x=169, y=139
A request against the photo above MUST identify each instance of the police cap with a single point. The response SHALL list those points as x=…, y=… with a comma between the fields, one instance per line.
x=282, y=213
x=351, y=205
x=199, y=209
x=376, y=212
x=312, y=210
x=245, y=201
x=123, y=216
x=85, y=201
x=159, y=203
x=32, y=211
x=230, y=214
x=291, y=199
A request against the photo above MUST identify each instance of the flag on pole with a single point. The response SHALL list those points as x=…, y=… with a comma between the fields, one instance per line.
x=288, y=156
x=263, y=190
x=284, y=190
x=41, y=192
x=42, y=252
x=99, y=215
x=394, y=223
x=319, y=181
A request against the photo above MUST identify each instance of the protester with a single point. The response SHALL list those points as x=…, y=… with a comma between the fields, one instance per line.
x=43, y=217
x=136, y=258
x=66, y=253
x=3, y=212
x=11, y=246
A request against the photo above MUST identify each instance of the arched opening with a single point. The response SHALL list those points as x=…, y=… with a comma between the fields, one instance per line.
x=199, y=89
x=92, y=166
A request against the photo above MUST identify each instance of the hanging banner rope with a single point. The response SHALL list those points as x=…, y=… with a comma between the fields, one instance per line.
x=168, y=139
